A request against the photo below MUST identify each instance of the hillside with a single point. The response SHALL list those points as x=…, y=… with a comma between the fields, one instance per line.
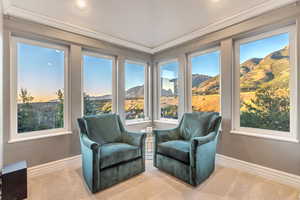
x=249, y=65
x=135, y=92
x=255, y=73
x=271, y=70
x=197, y=79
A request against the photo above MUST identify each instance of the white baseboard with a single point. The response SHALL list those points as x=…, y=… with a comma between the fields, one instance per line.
x=46, y=168
x=265, y=172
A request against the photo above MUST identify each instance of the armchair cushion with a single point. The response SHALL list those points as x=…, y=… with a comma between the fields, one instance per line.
x=176, y=149
x=103, y=128
x=115, y=153
x=196, y=124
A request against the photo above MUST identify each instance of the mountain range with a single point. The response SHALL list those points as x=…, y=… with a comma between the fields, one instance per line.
x=254, y=73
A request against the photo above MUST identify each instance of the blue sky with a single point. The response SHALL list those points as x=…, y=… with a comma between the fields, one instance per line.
x=169, y=70
x=134, y=75
x=97, y=76
x=207, y=64
x=40, y=71
x=263, y=47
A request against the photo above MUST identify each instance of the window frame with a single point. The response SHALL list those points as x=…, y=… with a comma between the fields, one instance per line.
x=146, y=92
x=160, y=119
x=293, y=85
x=14, y=135
x=190, y=74
x=113, y=74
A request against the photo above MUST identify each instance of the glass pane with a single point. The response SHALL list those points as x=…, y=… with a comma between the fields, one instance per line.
x=264, y=83
x=169, y=99
x=97, y=85
x=206, y=82
x=134, y=85
x=40, y=88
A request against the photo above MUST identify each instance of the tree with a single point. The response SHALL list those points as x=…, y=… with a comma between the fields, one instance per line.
x=26, y=116
x=59, y=122
x=270, y=109
x=89, y=105
x=25, y=96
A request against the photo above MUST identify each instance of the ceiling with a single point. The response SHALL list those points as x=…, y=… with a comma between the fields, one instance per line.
x=146, y=25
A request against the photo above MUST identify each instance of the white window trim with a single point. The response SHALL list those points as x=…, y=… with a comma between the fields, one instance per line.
x=113, y=74
x=14, y=135
x=190, y=74
x=146, y=92
x=158, y=109
x=291, y=136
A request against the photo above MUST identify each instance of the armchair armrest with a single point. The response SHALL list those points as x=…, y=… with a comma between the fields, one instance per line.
x=90, y=151
x=86, y=141
x=203, y=148
x=165, y=135
x=205, y=139
x=136, y=139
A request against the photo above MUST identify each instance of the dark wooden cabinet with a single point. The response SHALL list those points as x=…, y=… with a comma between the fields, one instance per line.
x=14, y=181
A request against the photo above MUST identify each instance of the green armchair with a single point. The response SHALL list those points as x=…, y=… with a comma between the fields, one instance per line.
x=188, y=151
x=110, y=154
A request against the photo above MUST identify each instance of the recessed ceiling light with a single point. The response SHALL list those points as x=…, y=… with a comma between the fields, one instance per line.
x=81, y=4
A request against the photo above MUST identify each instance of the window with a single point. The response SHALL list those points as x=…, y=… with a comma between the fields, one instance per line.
x=169, y=99
x=266, y=89
x=39, y=88
x=97, y=84
x=135, y=90
x=205, y=81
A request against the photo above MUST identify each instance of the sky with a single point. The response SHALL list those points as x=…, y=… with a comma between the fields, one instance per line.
x=134, y=75
x=41, y=70
x=97, y=76
x=263, y=47
x=206, y=64
x=169, y=71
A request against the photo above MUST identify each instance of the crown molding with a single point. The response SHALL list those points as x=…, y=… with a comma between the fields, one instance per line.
x=5, y=5
x=12, y=10
x=241, y=16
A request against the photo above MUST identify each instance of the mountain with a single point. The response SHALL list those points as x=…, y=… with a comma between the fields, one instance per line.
x=135, y=92
x=249, y=65
x=104, y=97
x=255, y=73
x=197, y=79
x=209, y=86
x=272, y=70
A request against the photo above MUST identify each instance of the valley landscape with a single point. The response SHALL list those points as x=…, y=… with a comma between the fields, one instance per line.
x=264, y=96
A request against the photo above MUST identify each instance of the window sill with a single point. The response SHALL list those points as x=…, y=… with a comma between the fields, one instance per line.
x=15, y=140
x=272, y=137
x=176, y=122
x=136, y=122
